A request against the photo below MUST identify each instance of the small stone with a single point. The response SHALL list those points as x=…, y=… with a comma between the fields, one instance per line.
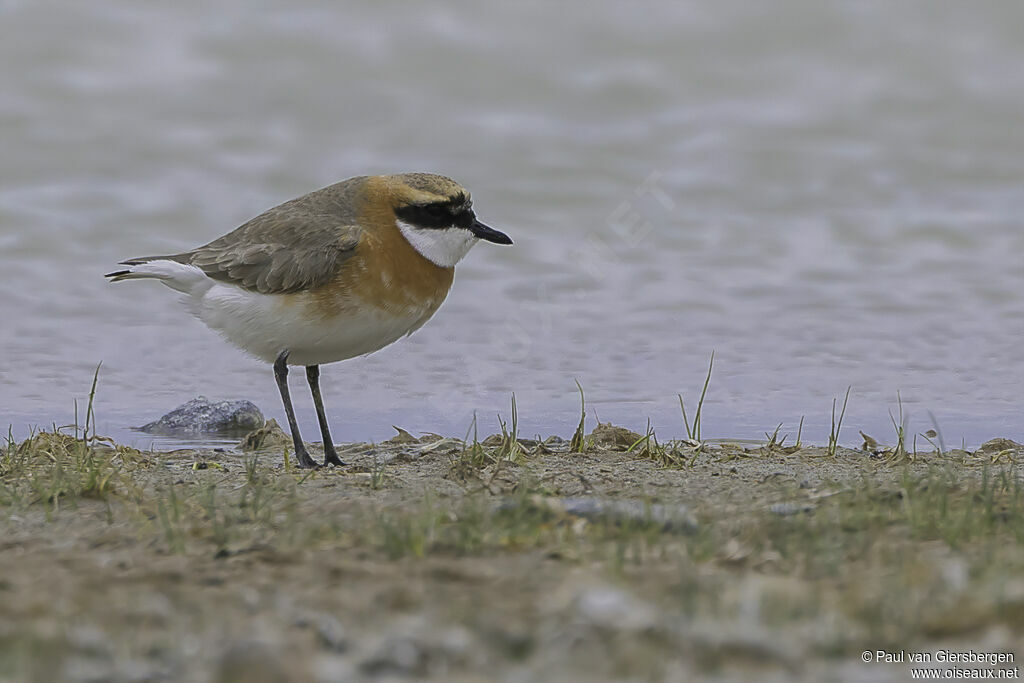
x=614, y=610
x=456, y=643
x=789, y=509
x=430, y=437
x=331, y=668
x=607, y=435
x=329, y=630
x=671, y=518
x=437, y=446
x=397, y=656
x=270, y=435
x=331, y=633
x=402, y=437
x=998, y=446
x=202, y=416
x=250, y=663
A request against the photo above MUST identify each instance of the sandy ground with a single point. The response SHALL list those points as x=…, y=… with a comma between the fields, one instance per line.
x=509, y=561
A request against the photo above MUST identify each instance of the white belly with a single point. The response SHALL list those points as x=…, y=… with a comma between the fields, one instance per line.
x=264, y=325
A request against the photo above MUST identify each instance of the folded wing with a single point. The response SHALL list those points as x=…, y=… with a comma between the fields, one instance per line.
x=289, y=248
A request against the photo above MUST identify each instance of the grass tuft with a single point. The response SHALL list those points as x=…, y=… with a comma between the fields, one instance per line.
x=899, y=451
x=472, y=458
x=693, y=430
x=58, y=469
x=510, y=448
x=773, y=440
x=837, y=426
x=576, y=444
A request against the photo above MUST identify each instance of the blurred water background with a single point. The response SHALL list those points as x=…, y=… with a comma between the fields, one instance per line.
x=825, y=194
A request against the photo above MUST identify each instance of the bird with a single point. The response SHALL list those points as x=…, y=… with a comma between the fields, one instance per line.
x=337, y=273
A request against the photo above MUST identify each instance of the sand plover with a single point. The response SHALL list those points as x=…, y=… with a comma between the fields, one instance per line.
x=334, y=274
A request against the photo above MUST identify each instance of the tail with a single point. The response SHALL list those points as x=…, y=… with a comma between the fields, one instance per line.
x=173, y=271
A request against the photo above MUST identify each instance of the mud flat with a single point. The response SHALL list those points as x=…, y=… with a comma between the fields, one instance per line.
x=610, y=557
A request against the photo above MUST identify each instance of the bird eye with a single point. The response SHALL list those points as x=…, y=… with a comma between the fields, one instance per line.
x=426, y=215
x=434, y=216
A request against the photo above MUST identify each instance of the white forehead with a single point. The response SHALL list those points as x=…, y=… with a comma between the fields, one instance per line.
x=442, y=246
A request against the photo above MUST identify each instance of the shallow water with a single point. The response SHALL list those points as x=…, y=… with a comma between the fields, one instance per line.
x=824, y=196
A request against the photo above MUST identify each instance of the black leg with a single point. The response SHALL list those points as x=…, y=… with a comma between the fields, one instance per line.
x=281, y=375
x=330, y=454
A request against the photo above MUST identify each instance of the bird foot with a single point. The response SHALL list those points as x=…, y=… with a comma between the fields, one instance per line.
x=331, y=457
x=305, y=462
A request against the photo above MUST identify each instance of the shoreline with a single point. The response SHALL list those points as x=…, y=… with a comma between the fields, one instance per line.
x=967, y=431
x=431, y=558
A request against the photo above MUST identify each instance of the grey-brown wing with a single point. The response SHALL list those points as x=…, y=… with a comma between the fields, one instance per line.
x=298, y=245
x=286, y=249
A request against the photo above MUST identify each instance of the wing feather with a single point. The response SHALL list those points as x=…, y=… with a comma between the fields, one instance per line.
x=299, y=245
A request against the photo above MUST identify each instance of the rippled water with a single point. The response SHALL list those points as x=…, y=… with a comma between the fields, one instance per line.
x=824, y=195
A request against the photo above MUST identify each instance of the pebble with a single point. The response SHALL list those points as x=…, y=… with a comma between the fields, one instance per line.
x=789, y=509
x=998, y=445
x=614, y=610
x=250, y=662
x=676, y=518
x=328, y=629
x=399, y=655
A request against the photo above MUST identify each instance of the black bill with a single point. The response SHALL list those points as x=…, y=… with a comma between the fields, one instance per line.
x=488, y=233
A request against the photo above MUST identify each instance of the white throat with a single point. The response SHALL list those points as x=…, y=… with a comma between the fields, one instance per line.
x=442, y=246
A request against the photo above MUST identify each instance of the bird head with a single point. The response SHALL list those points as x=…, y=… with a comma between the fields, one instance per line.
x=435, y=214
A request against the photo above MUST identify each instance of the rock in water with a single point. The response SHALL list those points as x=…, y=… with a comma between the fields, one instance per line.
x=202, y=416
